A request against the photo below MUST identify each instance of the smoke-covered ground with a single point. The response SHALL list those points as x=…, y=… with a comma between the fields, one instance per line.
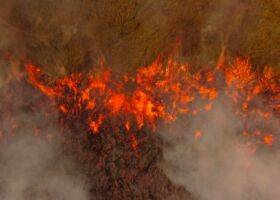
x=33, y=169
x=33, y=162
x=217, y=164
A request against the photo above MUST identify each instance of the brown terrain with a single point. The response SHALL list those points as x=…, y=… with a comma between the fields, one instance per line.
x=52, y=52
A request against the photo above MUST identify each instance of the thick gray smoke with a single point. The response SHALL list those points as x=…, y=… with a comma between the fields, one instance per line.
x=219, y=165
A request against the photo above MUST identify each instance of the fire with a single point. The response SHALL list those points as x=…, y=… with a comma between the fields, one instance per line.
x=95, y=125
x=116, y=102
x=268, y=139
x=162, y=93
x=198, y=135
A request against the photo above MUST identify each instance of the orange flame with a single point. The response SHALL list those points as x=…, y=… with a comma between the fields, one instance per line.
x=163, y=93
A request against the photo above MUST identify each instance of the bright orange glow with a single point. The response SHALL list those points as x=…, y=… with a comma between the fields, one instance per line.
x=116, y=102
x=163, y=93
x=268, y=139
x=198, y=135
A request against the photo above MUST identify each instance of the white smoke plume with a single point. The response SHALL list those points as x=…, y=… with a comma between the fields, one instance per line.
x=33, y=169
x=33, y=163
x=216, y=166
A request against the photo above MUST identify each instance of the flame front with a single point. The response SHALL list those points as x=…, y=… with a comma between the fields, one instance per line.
x=162, y=93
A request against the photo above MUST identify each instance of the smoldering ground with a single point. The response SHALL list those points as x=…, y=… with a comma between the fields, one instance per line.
x=220, y=165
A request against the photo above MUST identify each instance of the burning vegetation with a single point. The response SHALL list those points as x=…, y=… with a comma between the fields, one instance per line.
x=180, y=125
x=111, y=122
x=160, y=94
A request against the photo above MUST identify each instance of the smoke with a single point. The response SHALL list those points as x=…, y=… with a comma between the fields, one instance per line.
x=219, y=165
x=66, y=36
x=33, y=162
x=33, y=169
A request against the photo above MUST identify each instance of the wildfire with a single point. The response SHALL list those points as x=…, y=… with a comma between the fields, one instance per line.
x=163, y=93
x=198, y=135
x=268, y=139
